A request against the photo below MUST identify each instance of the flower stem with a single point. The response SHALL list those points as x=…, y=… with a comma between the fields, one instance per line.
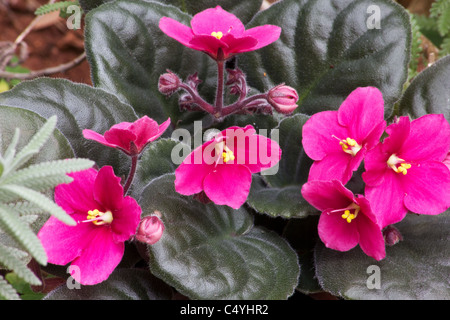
x=241, y=104
x=134, y=161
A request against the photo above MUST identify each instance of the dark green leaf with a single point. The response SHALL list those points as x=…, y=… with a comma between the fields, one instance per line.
x=128, y=52
x=328, y=48
x=88, y=5
x=122, y=284
x=78, y=107
x=429, y=92
x=214, y=252
x=416, y=268
x=279, y=194
x=154, y=162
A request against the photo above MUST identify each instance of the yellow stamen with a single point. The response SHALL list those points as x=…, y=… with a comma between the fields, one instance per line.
x=349, y=146
x=99, y=218
x=223, y=150
x=217, y=35
x=351, y=216
x=393, y=161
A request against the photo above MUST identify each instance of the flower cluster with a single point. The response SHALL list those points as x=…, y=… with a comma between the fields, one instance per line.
x=406, y=172
x=105, y=216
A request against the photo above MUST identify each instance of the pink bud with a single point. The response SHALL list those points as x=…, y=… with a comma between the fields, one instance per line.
x=283, y=98
x=150, y=229
x=392, y=235
x=168, y=83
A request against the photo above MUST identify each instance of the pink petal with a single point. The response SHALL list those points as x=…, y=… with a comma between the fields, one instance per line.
x=265, y=35
x=371, y=238
x=92, y=135
x=192, y=171
x=237, y=45
x=176, y=30
x=336, y=233
x=144, y=129
x=361, y=112
x=254, y=151
x=77, y=196
x=120, y=137
x=322, y=134
x=335, y=166
x=107, y=190
x=386, y=199
x=64, y=243
x=228, y=185
x=325, y=195
x=99, y=258
x=427, y=188
x=375, y=163
x=161, y=129
x=428, y=140
x=126, y=220
x=398, y=133
x=208, y=43
x=215, y=20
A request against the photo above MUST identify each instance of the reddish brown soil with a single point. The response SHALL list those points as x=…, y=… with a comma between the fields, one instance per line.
x=48, y=46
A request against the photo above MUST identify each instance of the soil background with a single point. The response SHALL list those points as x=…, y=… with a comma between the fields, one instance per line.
x=50, y=43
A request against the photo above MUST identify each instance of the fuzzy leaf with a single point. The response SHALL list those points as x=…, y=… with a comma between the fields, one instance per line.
x=416, y=268
x=279, y=194
x=7, y=291
x=10, y=222
x=78, y=107
x=11, y=262
x=214, y=252
x=429, y=92
x=122, y=284
x=329, y=48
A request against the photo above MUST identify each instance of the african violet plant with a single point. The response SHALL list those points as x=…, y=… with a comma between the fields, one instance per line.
x=247, y=154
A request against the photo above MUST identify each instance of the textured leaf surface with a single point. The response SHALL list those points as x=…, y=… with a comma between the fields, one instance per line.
x=77, y=107
x=429, y=92
x=416, y=268
x=214, y=252
x=279, y=194
x=123, y=284
x=328, y=48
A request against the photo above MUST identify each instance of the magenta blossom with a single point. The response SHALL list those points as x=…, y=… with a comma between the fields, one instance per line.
x=131, y=138
x=219, y=34
x=338, y=140
x=406, y=172
x=346, y=220
x=223, y=166
x=105, y=220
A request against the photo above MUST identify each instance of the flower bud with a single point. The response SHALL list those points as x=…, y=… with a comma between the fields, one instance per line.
x=168, y=83
x=283, y=98
x=392, y=235
x=150, y=229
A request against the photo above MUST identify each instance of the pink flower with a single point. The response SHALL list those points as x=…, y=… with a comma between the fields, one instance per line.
x=338, y=140
x=223, y=166
x=219, y=33
x=105, y=220
x=406, y=171
x=346, y=220
x=131, y=138
x=150, y=230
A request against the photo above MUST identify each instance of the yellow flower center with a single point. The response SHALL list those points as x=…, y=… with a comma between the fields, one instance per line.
x=350, y=213
x=224, y=151
x=398, y=165
x=350, y=146
x=99, y=218
x=217, y=35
